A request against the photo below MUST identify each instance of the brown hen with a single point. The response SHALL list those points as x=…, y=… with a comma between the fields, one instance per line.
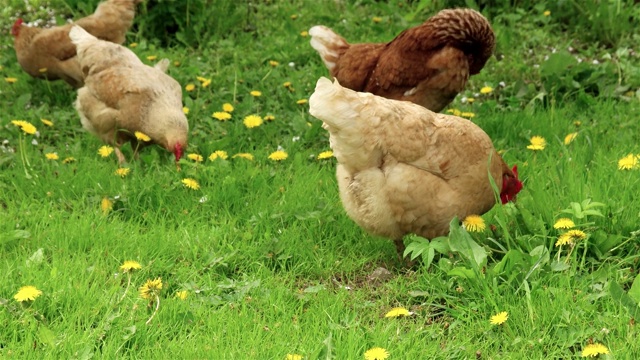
x=49, y=54
x=404, y=169
x=427, y=65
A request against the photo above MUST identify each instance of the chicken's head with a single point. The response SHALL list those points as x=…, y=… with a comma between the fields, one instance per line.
x=178, y=151
x=15, y=29
x=511, y=185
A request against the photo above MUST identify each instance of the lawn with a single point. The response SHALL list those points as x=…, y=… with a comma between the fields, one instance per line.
x=253, y=256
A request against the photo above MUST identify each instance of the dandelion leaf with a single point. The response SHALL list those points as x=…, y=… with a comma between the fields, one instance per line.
x=461, y=242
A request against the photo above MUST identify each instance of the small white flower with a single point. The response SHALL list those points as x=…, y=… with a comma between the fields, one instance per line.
x=34, y=142
x=502, y=83
x=595, y=62
x=203, y=199
x=295, y=138
x=292, y=64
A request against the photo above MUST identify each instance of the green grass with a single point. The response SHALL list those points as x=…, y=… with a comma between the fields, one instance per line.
x=271, y=263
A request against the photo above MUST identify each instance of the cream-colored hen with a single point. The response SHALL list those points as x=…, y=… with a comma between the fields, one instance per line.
x=121, y=95
x=404, y=169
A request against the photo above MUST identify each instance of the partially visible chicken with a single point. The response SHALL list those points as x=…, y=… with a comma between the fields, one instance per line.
x=404, y=169
x=427, y=65
x=121, y=95
x=49, y=53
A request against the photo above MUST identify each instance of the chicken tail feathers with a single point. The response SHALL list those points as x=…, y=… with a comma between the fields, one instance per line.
x=328, y=44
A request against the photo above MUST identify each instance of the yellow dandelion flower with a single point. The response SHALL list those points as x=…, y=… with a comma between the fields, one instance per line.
x=51, y=156
x=69, y=160
x=302, y=101
x=376, y=19
x=27, y=293
x=325, y=155
x=256, y=93
x=243, y=156
x=293, y=357
x=287, y=84
x=190, y=87
x=629, y=162
x=152, y=57
x=486, y=90
x=593, y=350
x=191, y=183
x=201, y=79
x=141, y=136
x=397, y=312
x=269, y=118
x=294, y=16
x=182, y=295
x=133, y=44
x=252, y=121
x=546, y=13
x=218, y=154
x=106, y=205
x=454, y=112
x=122, y=172
x=468, y=114
x=43, y=70
x=25, y=126
x=105, y=150
x=195, y=157
x=577, y=123
x=570, y=137
x=176, y=63
x=273, y=63
x=304, y=33
x=47, y=122
x=564, y=223
x=226, y=107
x=130, y=265
x=499, y=318
x=206, y=83
x=278, y=155
x=221, y=115
x=10, y=80
x=185, y=110
x=570, y=237
x=474, y=223
x=376, y=353
x=151, y=289
x=537, y=143
x=470, y=100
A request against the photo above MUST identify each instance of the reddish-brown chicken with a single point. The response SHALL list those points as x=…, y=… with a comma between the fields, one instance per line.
x=427, y=65
x=121, y=96
x=49, y=53
x=404, y=169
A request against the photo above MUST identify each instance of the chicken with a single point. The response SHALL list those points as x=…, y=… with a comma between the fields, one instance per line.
x=122, y=96
x=403, y=169
x=427, y=65
x=49, y=53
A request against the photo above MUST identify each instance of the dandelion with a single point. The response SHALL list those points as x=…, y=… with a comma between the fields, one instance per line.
x=69, y=160
x=273, y=63
x=287, y=84
x=470, y=100
x=47, y=122
x=151, y=289
x=10, y=80
x=537, y=143
x=294, y=16
x=176, y=63
x=468, y=114
x=570, y=137
x=106, y=205
x=130, y=265
x=397, y=312
x=152, y=57
x=243, y=156
x=376, y=19
x=454, y=112
x=185, y=110
x=195, y=157
x=376, y=353
x=593, y=350
x=182, y=295
x=122, y=172
x=133, y=44
x=141, y=136
x=629, y=162
x=486, y=90
x=206, y=83
x=256, y=93
x=499, y=318
x=325, y=155
x=51, y=156
x=293, y=357
x=221, y=115
x=546, y=13
x=577, y=123
x=278, y=155
x=191, y=183
x=27, y=293
x=190, y=87
x=304, y=33
x=302, y=101
x=218, y=154
x=269, y=118
x=226, y=107
x=25, y=126
x=105, y=150
x=564, y=223
x=474, y=223
x=252, y=121
x=201, y=79
x=570, y=237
